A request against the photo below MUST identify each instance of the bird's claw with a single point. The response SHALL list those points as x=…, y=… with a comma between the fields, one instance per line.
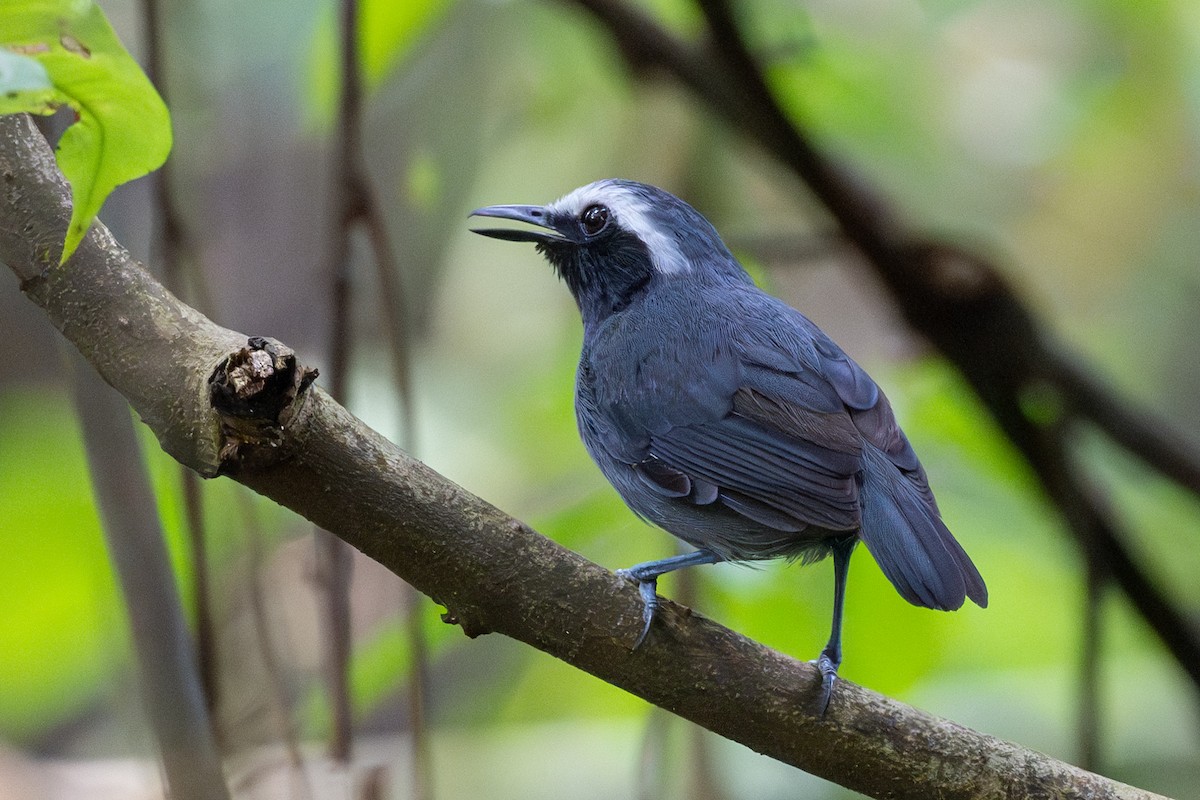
x=648, y=589
x=828, y=668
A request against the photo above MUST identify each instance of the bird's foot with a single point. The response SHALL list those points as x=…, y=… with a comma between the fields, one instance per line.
x=648, y=588
x=828, y=668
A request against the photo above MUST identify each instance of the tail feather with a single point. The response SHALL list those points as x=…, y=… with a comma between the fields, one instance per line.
x=911, y=544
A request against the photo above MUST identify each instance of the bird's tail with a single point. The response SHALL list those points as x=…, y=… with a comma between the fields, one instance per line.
x=903, y=530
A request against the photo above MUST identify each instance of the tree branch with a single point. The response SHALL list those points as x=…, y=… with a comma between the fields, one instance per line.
x=272, y=431
x=1169, y=451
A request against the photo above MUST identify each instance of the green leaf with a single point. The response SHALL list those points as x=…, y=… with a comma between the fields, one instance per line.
x=123, y=129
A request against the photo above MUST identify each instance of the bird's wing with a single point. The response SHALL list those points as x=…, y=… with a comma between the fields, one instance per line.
x=783, y=451
x=774, y=427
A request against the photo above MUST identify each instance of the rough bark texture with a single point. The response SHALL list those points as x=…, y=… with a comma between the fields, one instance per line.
x=138, y=336
x=490, y=571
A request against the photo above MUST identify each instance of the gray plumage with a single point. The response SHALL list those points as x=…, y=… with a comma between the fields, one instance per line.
x=725, y=416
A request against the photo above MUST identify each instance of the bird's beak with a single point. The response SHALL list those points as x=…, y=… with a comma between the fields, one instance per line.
x=535, y=215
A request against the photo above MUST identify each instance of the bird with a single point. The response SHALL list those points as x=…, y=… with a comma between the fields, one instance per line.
x=725, y=416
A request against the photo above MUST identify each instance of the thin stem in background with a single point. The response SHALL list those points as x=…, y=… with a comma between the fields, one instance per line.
x=334, y=560
x=334, y=570
x=277, y=696
x=652, y=761
x=1089, y=667
x=355, y=203
x=170, y=239
x=171, y=689
x=655, y=767
x=1152, y=441
x=700, y=772
x=206, y=636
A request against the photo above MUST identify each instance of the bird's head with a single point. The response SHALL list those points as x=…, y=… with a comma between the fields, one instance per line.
x=612, y=240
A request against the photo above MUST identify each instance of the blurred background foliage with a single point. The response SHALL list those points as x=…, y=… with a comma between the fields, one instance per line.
x=1061, y=139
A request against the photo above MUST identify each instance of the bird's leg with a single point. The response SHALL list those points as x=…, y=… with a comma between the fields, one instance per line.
x=831, y=656
x=645, y=575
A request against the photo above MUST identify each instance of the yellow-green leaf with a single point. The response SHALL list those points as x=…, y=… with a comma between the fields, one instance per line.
x=123, y=130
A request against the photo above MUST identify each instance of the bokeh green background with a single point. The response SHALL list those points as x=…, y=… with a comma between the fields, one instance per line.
x=1060, y=139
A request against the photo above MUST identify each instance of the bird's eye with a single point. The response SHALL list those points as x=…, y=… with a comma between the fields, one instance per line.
x=594, y=218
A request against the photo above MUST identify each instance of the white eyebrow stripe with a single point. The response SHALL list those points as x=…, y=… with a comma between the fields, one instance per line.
x=632, y=213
